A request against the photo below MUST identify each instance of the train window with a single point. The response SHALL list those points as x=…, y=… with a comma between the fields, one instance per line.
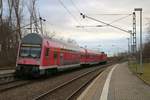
x=55, y=55
x=34, y=52
x=47, y=52
x=24, y=51
x=82, y=55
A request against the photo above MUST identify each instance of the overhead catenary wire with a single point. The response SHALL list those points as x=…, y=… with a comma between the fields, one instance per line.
x=117, y=14
x=85, y=16
x=120, y=19
x=109, y=23
x=69, y=12
x=23, y=27
x=75, y=6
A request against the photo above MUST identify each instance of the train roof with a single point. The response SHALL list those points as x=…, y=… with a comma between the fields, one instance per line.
x=93, y=51
x=64, y=45
x=35, y=38
x=32, y=38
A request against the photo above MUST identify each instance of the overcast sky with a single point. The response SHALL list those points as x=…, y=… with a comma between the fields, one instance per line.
x=63, y=22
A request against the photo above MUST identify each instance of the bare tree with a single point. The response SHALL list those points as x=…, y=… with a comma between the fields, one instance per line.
x=8, y=37
x=69, y=40
x=148, y=31
x=10, y=9
x=1, y=10
x=18, y=9
x=146, y=49
x=33, y=16
x=10, y=21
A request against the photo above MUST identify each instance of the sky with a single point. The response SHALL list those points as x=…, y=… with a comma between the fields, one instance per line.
x=63, y=17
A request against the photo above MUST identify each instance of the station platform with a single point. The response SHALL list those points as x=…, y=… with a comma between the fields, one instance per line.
x=116, y=83
x=7, y=71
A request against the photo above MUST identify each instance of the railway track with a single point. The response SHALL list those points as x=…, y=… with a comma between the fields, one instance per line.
x=6, y=78
x=8, y=81
x=7, y=68
x=33, y=89
x=70, y=88
x=13, y=84
x=5, y=75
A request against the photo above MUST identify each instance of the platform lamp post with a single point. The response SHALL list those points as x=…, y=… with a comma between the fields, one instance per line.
x=141, y=68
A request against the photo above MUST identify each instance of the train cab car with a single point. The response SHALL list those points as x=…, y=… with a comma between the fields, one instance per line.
x=40, y=55
x=29, y=55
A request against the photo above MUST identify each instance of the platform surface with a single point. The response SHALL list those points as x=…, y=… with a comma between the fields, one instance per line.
x=6, y=71
x=123, y=85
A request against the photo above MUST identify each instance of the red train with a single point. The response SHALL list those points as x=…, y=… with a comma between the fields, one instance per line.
x=40, y=55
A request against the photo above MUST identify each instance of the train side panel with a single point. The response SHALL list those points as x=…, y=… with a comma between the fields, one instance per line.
x=39, y=56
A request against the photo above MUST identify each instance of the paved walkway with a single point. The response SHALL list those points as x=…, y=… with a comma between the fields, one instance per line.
x=123, y=85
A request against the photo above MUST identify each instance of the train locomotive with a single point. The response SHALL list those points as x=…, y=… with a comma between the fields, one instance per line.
x=39, y=55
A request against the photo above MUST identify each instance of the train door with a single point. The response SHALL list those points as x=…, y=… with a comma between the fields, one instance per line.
x=61, y=58
x=55, y=57
x=47, y=61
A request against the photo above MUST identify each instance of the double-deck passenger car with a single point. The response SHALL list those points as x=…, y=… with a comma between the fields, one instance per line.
x=39, y=55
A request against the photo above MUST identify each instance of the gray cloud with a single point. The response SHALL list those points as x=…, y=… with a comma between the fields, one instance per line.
x=59, y=20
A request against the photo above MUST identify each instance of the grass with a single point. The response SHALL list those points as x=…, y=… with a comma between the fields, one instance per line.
x=146, y=70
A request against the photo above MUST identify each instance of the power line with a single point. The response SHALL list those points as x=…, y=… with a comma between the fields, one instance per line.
x=24, y=26
x=85, y=16
x=120, y=19
x=90, y=26
x=108, y=23
x=109, y=14
x=75, y=6
x=69, y=12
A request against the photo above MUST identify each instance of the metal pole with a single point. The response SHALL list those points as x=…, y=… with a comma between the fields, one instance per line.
x=131, y=50
x=128, y=46
x=41, y=25
x=128, y=55
x=134, y=34
x=41, y=19
x=141, y=47
x=141, y=68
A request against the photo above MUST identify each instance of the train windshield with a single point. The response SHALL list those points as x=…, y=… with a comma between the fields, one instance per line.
x=33, y=52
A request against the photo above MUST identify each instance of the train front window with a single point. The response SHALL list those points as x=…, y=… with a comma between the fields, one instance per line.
x=34, y=52
x=24, y=51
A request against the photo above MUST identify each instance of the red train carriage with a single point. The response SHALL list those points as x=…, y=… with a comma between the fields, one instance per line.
x=83, y=56
x=103, y=58
x=89, y=57
x=39, y=55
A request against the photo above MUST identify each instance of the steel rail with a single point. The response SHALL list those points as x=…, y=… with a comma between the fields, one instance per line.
x=83, y=85
x=7, y=87
x=65, y=84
